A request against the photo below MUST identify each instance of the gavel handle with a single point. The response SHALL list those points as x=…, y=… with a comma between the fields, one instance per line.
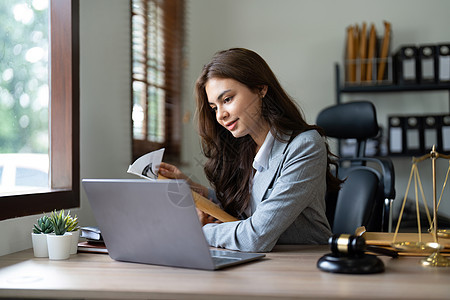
x=382, y=251
x=209, y=207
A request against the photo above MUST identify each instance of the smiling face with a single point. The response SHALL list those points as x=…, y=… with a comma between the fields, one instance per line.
x=237, y=108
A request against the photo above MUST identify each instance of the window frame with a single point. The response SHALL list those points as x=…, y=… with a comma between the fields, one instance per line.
x=64, y=191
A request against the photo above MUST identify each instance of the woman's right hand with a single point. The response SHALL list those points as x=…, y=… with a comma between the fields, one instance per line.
x=172, y=172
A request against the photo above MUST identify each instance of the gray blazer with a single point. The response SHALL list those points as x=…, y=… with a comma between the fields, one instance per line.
x=290, y=199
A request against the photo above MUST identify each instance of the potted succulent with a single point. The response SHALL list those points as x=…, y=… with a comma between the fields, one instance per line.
x=72, y=223
x=59, y=241
x=39, y=236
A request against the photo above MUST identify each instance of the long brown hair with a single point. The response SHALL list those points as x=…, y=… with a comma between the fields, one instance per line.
x=229, y=160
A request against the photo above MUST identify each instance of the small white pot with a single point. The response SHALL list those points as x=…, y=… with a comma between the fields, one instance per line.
x=39, y=241
x=74, y=242
x=59, y=245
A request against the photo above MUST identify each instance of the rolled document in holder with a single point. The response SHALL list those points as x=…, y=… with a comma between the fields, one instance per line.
x=384, y=51
x=351, y=55
x=363, y=52
x=371, y=54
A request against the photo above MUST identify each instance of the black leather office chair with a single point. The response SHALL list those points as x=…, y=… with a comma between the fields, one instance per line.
x=366, y=196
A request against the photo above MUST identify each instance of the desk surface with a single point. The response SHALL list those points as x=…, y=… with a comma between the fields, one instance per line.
x=287, y=272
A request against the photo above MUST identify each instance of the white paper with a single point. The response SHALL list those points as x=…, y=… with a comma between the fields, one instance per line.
x=147, y=165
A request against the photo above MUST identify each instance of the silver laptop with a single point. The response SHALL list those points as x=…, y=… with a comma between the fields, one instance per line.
x=155, y=222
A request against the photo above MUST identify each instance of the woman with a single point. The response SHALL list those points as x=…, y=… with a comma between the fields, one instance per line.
x=266, y=165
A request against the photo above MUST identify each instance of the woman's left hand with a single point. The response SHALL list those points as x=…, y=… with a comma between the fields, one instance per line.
x=205, y=218
x=171, y=171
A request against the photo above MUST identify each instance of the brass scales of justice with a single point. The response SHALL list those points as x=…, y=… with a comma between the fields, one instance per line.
x=436, y=259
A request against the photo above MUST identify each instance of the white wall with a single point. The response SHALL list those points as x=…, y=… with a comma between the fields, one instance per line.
x=300, y=39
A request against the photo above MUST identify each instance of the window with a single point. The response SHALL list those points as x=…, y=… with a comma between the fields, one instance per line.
x=24, y=94
x=63, y=190
x=157, y=44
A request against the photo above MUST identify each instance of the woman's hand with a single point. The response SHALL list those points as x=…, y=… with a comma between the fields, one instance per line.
x=205, y=218
x=171, y=171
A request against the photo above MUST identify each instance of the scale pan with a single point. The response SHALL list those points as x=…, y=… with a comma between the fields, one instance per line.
x=443, y=233
x=411, y=246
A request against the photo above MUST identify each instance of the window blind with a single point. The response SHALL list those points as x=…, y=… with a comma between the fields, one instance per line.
x=156, y=47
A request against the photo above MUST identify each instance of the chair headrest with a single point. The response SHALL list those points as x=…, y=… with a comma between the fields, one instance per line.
x=357, y=120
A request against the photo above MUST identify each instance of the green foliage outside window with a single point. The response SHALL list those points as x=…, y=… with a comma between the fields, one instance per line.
x=24, y=76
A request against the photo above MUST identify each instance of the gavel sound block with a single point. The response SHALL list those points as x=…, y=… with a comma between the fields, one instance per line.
x=348, y=256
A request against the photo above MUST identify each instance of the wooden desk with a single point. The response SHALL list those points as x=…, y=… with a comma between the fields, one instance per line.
x=288, y=272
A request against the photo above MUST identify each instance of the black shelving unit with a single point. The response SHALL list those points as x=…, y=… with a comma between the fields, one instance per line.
x=392, y=88
x=382, y=88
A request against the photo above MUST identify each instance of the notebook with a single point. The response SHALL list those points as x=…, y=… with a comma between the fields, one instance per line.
x=155, y=222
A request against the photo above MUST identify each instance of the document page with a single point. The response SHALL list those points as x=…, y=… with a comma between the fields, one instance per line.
x=147, y=165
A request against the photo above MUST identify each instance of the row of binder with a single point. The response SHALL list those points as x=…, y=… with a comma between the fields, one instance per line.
x=416, y=135
x=423, y=64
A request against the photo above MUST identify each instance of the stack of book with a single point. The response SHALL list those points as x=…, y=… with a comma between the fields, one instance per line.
x=93, y=240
